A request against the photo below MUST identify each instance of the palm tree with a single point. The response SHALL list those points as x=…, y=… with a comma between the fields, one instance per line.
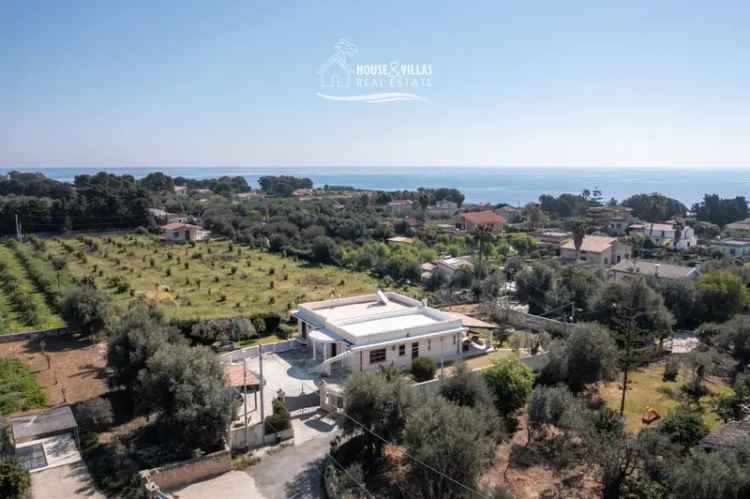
x=482, y=236
x=678, y=228
x=579, y=233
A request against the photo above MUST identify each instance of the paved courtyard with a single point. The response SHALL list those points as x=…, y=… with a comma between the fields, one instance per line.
x=70, y=481
x=286, y=371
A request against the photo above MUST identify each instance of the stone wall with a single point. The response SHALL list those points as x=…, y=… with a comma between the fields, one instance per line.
x=177, y=475
x=33, y=335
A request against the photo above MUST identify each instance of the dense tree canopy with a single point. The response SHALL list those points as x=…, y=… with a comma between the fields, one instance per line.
x=721, y=211
x=655, y=207
x=722, y=294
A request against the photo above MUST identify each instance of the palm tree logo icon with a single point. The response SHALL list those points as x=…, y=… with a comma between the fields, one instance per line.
x=336, y=72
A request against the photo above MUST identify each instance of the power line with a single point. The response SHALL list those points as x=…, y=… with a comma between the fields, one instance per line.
x=361, y=485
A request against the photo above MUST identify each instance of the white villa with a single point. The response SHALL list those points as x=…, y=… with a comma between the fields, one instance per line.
x=664, y=233
x=363, y=333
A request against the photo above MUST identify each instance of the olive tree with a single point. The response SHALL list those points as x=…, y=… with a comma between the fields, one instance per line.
x=450, y=439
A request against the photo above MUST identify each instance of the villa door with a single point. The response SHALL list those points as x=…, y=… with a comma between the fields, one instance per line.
x=414, y=350
x=333, y=349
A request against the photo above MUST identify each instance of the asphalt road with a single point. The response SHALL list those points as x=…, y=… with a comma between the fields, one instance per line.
x=293, y=472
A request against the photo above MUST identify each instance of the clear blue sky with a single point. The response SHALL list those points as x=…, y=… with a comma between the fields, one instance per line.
x=194, y=83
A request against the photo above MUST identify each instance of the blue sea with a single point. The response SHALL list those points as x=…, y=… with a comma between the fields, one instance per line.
x=514, y=185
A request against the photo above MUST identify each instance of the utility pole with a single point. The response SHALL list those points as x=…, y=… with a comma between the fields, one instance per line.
x=244, y=397
x=19, y=236
x=442, y=359
x=262, y=384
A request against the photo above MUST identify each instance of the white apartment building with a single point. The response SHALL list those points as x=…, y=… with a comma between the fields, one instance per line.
x=664, y=233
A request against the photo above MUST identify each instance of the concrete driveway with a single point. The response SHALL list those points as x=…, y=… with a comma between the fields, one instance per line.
x=69, y=481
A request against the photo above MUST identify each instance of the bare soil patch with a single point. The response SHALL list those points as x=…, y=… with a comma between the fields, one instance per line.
x=76, y=369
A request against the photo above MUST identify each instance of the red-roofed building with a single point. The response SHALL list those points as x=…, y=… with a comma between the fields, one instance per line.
x=473, y=219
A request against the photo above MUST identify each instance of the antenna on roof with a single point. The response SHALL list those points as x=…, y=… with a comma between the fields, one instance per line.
x=382, y=297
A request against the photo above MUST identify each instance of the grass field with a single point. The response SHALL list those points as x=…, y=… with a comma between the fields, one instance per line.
x=19, y=389
x=13, y=320
x=208, y=280
x=647, y=389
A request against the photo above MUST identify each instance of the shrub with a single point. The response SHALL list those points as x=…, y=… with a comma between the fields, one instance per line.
x=15, y=481
x=423, y=369
x=684, y=427
x=94, y=414
x=271, y=323
x=671, y=370
x=279, y=420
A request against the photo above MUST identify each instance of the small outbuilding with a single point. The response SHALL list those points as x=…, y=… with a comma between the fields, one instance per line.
x=46, y=439
x=184, y=232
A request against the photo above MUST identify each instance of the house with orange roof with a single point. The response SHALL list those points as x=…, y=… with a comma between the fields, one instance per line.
x=469, y=221
x=602, y=251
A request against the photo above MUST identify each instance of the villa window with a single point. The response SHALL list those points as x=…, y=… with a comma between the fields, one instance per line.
x=401, y=350
x=429, y=344
x=377, y=356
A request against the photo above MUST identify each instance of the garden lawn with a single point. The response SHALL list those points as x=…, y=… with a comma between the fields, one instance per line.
x=19, y=390
x=647, y=389
x=205, y=281
x=12, y=321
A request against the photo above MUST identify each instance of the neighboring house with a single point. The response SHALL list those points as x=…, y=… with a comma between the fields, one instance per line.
x=182, y=232
x=249, y=195
x=735, y=248
x=164, y=217
x=552, y=239
x=664, y=234
x=303, y=193
x=732, y=435
x=597, y=250
x=365, y=333
x=399, y=206
x=400, y=240
x=510, y=214
x=427, y=270
x=627, y=269
x=452, y=264
x=180, y=189
x=471, y=220
x=741, y=228
x=443, y=209
x=614, y=219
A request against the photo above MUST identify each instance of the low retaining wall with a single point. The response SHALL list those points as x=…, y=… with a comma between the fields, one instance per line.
x=173, y=476
x=281, y=346
x=33, y=335
x=536, y=322
x=255, y=437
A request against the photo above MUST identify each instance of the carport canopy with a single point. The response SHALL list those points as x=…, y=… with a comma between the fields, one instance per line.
x=321, y=336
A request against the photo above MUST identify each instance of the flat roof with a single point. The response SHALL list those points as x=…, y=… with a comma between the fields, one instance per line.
x=43, y=424
x=665, y=270
x=731, y=242
x=335, y=312
x=378, y=325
